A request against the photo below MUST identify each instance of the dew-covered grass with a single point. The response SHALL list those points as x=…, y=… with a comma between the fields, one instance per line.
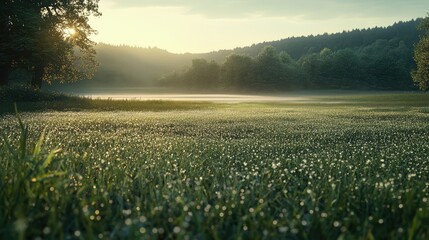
x=240, y=171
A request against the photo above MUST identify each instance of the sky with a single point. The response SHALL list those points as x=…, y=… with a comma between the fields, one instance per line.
x=199, y=26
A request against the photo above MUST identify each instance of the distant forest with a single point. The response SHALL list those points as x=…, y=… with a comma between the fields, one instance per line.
x=376, y=58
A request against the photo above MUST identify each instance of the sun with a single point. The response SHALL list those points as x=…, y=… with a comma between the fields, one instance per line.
x=69, y=31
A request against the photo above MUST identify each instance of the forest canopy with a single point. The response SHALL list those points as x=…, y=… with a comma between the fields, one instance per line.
x=384, y=64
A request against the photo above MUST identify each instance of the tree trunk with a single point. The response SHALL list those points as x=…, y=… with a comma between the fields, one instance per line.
x=36, y=81
x=4, y=75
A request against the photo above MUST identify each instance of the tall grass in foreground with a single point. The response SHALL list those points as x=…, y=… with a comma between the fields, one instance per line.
x=28, y=180
x=239, y=173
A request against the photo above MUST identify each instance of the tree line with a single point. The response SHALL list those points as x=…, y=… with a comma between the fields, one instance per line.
x=377, y=58
x=125, y=66
x=384, y=64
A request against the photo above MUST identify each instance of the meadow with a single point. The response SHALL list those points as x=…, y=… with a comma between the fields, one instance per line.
x=331, y=168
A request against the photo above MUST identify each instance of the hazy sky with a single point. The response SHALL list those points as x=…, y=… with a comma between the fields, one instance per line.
x=207, y=25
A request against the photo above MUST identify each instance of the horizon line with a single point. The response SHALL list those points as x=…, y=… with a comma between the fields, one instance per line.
x=265, y=41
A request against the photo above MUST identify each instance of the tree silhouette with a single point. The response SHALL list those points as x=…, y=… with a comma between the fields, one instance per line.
x=421, y=56
x=49, y=38
x=237, y=72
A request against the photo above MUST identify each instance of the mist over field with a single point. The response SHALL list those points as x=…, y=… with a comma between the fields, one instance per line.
x=260, y=119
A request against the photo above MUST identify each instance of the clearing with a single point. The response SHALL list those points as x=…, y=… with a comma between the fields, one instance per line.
x=356, y=168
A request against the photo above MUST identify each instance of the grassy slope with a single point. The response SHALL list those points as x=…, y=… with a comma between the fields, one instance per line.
x=355, y=167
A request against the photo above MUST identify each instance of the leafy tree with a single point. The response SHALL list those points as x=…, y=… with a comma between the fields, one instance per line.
x=310, y=64
x=237, y=71
x=48, y=38
x=292, y=76
x=346, y=68
x=202, y=74
x=326, y=65
x=421, y=56
x=268, y=69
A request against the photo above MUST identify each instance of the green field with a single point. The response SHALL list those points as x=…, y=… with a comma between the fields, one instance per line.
x=334, y=167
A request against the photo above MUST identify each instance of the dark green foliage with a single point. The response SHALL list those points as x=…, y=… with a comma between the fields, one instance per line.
x=33, y=38
x=358, y=38
x=421, y=56
x=201, y=75
x=237, y=72
x=268, y=69
x=380, y=65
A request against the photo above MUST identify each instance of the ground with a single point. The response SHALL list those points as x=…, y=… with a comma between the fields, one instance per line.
x=353, y=167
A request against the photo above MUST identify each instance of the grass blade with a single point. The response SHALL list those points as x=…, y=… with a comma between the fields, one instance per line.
x=49, y=175
x=24, y=135
x=39, y=143
x=48, y=159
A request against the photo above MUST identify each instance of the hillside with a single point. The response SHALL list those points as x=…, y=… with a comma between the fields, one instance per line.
x=125, y=66
x=299, y=46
